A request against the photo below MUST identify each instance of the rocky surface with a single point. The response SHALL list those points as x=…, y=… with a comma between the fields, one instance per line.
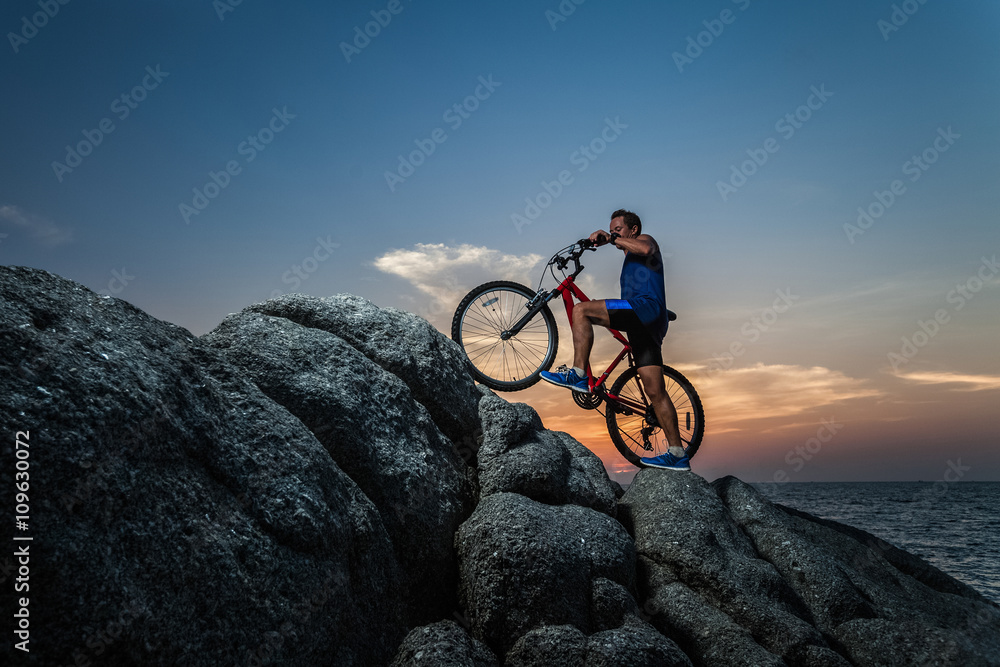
x=403, y=344
x=443, y=644
x=319, y=482
x=181, y=516
x=376, y=432
x=519, y=456
x=553, y=556
x=737, y=580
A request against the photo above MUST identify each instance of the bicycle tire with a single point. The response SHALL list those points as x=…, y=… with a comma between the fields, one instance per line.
x=624, y=428
x=520, y=359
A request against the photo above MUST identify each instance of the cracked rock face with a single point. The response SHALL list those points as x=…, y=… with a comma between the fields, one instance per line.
x=519, y=456
x=183, y=516
x=430, y=364
x=293, y=489
x=736, y=580
x=525, y=564
x=443, y=644
x=374, y=429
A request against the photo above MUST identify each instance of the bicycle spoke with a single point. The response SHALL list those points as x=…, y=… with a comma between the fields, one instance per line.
x=511, y=363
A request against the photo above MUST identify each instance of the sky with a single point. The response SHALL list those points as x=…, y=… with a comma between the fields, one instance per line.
x=821, y=178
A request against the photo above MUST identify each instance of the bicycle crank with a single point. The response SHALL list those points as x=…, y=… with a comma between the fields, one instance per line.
x=587, y=401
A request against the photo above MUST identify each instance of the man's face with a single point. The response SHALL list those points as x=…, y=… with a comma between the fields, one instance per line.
x=618, y=226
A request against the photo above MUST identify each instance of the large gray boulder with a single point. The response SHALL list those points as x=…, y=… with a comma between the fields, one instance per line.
x=386, y=441
x=734, y=579
x=632, y=645
x=179, y=515
x=519, y=456
x=883, y=605
x=442, y=644
x=524, y=564
x=433, y=366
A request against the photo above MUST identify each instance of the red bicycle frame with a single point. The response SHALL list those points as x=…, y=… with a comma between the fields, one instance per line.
x=569, y=289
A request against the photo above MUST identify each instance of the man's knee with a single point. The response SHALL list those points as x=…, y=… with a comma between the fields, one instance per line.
x=595, y=311
x=652, y=382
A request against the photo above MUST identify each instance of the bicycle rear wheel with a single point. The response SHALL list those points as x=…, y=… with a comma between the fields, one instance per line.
x=504, y=365
x=639, y=435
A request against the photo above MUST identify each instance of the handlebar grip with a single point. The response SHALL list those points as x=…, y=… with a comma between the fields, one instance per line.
x=585, y=243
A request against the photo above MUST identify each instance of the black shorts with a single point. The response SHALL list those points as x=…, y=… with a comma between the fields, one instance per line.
x=645, y=349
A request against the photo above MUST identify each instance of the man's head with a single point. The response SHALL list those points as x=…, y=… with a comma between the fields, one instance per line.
x=626, y=223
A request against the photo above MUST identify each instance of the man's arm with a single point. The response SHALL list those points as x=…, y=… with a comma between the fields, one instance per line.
x=642, y=245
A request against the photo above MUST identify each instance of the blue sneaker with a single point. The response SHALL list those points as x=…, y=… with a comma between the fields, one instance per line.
x=567, y=377
x=667, y=462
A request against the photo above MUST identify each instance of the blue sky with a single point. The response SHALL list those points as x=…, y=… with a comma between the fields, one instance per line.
x=313, y=211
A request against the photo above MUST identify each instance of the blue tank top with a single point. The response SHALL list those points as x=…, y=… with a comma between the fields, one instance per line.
x=642, y=286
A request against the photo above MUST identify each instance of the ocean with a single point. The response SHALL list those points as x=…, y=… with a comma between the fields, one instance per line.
x=954, y=527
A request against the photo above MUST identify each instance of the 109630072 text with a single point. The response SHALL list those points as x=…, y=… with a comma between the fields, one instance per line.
x=22, y=556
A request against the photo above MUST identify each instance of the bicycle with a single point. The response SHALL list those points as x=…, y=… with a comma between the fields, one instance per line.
x=509, y=335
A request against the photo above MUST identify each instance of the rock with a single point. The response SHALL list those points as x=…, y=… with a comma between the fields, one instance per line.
x=180, y=516
x=550, y=555
x=549, y=646
x=685, y=534
x=734, y=579
x=864, y=595
x=433, y=366
x=377, y=433
x=635, y=645
x=519, y=456
x=442, y=644
x=290, y=490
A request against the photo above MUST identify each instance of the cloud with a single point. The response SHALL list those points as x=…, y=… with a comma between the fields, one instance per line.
x=447, y=273
x=38, y=227
x=779, y=394
x=964, y=381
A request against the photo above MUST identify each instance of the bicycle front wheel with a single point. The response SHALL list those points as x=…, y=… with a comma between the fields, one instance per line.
x=639, y=435
x=505, y=365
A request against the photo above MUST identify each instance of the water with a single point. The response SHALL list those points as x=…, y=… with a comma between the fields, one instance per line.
x=954, y=527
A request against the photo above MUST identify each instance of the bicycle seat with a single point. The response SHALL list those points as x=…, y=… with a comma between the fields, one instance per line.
x=671, y=315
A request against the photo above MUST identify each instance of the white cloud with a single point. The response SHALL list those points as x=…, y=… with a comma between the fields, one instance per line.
x=447, y=273
x=963, y=381
x=39, y=228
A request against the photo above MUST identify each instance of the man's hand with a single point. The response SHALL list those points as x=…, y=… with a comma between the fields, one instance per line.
x=600, y=237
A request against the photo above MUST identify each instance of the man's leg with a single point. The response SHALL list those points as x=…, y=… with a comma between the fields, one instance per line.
x=666, y=414
x=585, y=315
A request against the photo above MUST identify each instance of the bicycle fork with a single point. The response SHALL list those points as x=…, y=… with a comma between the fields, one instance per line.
x=534, y=307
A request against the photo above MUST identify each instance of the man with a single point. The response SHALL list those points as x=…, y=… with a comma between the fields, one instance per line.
x=642, y=314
